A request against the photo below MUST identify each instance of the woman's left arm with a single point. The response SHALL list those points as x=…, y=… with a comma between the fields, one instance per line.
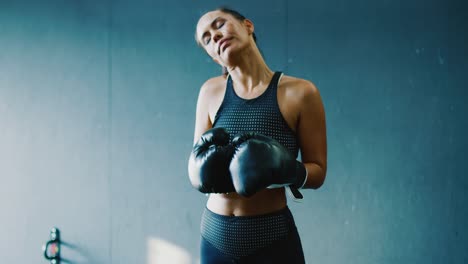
x=311, y=130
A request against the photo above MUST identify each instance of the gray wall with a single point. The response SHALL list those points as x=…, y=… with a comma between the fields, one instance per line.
x=97, y=105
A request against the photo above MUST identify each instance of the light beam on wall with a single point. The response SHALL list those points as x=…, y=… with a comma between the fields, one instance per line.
x=162, y=252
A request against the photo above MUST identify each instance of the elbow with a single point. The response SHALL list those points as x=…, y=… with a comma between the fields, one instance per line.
x=317, y=185
x=318, y=179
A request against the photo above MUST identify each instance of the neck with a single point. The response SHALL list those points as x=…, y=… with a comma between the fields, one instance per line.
x=249, y=71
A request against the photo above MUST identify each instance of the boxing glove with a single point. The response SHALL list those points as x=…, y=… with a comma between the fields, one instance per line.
x=261, y=162
x=209, y=160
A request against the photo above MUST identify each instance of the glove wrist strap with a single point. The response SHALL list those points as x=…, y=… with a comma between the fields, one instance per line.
x=293, y=191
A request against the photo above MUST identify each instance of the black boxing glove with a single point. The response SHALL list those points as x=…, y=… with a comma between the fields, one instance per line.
x=261, y=162
x=208, y=165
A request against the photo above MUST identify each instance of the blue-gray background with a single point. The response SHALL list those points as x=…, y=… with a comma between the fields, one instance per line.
x=97, y=107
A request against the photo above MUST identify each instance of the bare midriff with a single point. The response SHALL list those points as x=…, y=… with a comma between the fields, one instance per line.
x=233, y=204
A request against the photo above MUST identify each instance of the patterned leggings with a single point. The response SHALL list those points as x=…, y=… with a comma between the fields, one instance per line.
x=269, y=238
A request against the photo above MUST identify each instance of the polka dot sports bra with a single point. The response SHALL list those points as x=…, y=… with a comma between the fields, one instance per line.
x=260, y=114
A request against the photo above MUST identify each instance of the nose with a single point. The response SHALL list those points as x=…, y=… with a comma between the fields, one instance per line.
x=217, y=36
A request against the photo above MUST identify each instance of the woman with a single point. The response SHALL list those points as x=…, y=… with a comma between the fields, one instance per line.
x=251, y=103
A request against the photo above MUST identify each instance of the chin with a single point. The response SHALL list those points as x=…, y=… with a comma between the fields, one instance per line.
x=229, y=53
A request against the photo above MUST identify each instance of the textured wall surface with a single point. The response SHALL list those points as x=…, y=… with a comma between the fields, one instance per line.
x=97, y=108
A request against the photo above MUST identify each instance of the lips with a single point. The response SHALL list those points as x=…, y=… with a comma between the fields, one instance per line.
x=221, y=43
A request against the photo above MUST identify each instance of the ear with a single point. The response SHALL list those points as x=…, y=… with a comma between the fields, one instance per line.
x=249, y=25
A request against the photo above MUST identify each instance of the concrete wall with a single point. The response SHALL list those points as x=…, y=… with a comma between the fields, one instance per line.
x=97, y=107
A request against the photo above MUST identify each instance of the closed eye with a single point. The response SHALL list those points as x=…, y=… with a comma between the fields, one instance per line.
x=217, y=23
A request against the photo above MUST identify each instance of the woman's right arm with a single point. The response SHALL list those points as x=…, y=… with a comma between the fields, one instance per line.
x=202, y=117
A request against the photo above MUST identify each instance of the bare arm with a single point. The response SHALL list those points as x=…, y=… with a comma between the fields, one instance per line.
x=312, y=136
x=202, y=117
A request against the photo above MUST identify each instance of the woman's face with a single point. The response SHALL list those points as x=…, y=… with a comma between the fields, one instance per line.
x=222, y=35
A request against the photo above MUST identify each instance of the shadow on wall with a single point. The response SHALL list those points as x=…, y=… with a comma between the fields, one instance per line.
x=162, y=251
x=75, y=254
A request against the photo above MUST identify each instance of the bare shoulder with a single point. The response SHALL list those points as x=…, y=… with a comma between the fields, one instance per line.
x=298, y=85
x=212, y=94
x=213, y=86
x=299, y=90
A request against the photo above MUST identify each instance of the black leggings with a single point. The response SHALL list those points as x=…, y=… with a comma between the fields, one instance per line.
x=270, y=238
